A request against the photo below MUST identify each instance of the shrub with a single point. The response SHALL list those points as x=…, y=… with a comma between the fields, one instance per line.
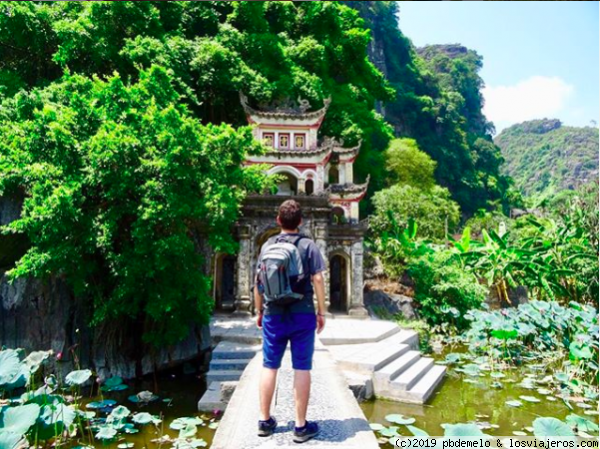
x=444, y=291
x=429, y=209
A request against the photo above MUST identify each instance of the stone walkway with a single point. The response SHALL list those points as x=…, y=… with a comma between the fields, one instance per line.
x=354, y=357
x=331, y=404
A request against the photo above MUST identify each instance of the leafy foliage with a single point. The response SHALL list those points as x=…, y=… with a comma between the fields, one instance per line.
x=119, y=181
x=272, y=51
x=430, y=209
x=537, y=329
x=408, y=165
x=444, y=291
x=545, y=157
x=555, y=260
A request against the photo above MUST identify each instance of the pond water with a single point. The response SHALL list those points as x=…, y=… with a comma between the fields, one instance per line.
x=462, y=398
x=178, y=397
x=481, y=399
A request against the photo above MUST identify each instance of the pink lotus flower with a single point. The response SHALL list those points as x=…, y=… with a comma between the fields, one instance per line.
x=59, y=356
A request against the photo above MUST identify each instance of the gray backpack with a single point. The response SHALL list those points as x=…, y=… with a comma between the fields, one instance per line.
x=279, y=270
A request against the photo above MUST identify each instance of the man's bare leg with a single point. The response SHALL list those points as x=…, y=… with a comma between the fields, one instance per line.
x=268, y=379
x=301, y=395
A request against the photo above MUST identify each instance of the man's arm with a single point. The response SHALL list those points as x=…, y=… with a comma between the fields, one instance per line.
x=319, y=285
x=258, y=305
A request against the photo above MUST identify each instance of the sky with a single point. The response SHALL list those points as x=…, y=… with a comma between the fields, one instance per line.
x=541, y=58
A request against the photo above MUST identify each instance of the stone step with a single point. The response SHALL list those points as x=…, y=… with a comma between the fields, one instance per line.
x=211, y=399
x=221, y=375
x=412, y=375
x=233, y=350
x=344, y=336
x=375, y=356
x=423, y=389
x=228, y=364
x=383, y=376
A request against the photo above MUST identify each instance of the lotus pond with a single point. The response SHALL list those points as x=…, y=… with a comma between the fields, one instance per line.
x=496, y=401
x=50, y=412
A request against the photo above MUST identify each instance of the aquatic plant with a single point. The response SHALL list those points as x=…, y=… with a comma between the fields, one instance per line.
x=54, y=413
x=540, y=330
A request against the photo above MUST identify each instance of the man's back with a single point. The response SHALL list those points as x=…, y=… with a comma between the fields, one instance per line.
x=312, y=262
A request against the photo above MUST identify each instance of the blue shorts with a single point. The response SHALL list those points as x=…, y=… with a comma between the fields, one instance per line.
x=299, y=329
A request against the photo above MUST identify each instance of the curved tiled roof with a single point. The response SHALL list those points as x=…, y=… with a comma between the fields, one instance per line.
x=346, y=151
x=299, y=113
x=349, y=189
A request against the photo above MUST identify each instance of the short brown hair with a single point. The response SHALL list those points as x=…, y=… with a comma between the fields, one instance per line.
x=290, y=214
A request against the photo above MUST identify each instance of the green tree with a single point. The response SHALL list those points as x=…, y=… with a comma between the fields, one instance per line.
x=409, y=165
x=120, y=185
x=272, y=51
x=430, y=209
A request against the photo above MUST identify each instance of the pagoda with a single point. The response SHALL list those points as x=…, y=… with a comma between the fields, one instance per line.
x=319, y=175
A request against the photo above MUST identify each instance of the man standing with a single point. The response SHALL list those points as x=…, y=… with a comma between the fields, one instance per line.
x=295, y=321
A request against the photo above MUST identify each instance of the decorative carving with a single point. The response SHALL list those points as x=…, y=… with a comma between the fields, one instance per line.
x=284, y=107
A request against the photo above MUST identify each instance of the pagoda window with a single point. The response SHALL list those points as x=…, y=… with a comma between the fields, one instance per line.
x=269, y=139
x=300, y=141
x=284, y=141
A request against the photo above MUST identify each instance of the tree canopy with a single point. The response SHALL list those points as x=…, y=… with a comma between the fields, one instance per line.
x=409, y=165
x=115, y=127
x=118, y=180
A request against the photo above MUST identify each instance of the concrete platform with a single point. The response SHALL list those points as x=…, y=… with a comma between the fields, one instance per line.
x=234, y=329
x=377, y=357
x=352, y=331
x=332, y=405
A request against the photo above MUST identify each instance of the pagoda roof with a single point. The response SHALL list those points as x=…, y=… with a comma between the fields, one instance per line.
x=287, y=112
x=349, y=190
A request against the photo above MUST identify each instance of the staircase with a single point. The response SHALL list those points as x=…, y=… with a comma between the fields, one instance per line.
x=391, y=361
x=228, y=362
x=375, y=356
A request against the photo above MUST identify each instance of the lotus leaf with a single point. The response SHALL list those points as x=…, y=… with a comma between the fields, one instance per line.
x=35, y=359
x=180, y=423
x=13, y=372
x=188, y=431
x=106, y=433
x=114, y=383
x=581, y=423
x=462, y=430
x=19, y=419
x=551, y=427
x=120, y=412
x=11, y=440
x=101, y=404
x=399, y=419
x=530, y=398
x=417, y=432
x=142, y=418
x=79, y=377
x=514, y=403
x=391, y=431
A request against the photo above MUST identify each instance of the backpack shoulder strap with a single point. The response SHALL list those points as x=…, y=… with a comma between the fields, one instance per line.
x=297, y=239
x=285, y=238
